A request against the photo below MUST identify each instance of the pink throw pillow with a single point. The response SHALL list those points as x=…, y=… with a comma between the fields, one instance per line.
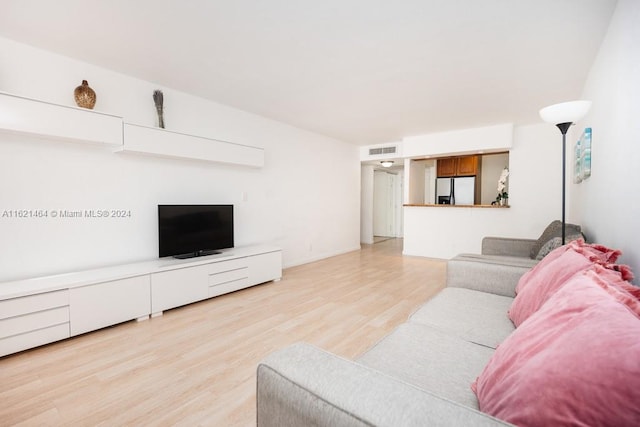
x=619, y=272
x=574, y=362
x=539, y=283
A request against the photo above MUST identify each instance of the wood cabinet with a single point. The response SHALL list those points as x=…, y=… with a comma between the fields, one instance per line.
x=447, y=167
x=467, y=166
x=458, y=166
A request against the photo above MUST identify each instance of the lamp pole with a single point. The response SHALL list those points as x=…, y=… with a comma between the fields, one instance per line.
x=564, y=127
x=564, y=115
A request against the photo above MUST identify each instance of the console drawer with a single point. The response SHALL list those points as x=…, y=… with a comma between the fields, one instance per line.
x=228, y=276
x=33, y=321
x=234, y=264
x=33, y=303
x=225, y=288
x=21, y=342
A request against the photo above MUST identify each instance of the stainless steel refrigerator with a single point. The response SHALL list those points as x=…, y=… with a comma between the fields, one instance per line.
x=456, y=191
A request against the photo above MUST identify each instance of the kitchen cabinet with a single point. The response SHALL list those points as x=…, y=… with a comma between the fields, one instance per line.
x=446, y=167
x=458, y=166
x=467, y=166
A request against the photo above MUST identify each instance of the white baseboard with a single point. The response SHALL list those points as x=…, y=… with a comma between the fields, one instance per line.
x=320, y=257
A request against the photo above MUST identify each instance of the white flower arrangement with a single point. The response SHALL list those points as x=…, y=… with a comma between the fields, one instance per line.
x=502, y=184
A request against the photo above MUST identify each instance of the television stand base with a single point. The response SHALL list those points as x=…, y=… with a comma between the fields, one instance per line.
x=197, y=254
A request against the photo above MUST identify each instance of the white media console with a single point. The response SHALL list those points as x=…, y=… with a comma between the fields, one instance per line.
x=42, y=310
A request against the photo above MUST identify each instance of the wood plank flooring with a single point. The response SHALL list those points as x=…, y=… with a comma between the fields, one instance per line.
x=196, y=364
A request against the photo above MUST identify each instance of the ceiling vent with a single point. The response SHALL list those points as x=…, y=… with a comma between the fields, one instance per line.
x=382, y=150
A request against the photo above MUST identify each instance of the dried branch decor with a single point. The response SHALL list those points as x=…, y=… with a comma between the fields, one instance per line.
x=158, y=99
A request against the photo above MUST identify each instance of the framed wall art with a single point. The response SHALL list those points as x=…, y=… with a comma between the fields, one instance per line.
x=582, y=157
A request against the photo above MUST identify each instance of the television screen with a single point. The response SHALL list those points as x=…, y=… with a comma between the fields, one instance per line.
x=193, y=230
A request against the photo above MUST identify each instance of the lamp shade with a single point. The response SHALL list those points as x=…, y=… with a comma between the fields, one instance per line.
x=565, y=112
x=387, y=163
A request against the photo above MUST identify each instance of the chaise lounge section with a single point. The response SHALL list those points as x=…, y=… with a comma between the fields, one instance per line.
x=504, y=260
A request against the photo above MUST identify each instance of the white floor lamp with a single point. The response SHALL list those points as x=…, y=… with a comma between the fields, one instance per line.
x=564, y=115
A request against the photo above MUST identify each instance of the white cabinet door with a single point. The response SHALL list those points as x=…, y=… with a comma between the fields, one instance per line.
x=265, y=267
x=174, y=288
x=104, y=304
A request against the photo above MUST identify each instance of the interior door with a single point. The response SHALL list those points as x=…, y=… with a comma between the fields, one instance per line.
x=381, y=196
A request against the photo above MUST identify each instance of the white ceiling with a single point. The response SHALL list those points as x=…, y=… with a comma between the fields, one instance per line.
x=363, y=71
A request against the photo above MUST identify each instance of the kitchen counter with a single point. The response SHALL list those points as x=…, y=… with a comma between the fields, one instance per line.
x=442, y=231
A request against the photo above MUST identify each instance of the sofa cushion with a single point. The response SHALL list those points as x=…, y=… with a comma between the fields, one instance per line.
x=474, y=316
x=538, y=284
x=487, y=273
x=574, y=362
x=431, y=360
x=512, y=261
x=554, y=229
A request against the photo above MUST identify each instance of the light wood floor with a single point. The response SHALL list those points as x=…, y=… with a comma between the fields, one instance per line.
x=196, y=364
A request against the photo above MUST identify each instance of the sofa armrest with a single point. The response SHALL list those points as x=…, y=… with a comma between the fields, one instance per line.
x=507, y=246
x=303, y=385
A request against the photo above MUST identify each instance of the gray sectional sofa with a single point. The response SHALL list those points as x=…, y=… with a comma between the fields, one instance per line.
x=420, y=374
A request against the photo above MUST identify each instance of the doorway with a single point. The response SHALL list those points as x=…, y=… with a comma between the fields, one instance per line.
x=387, y=204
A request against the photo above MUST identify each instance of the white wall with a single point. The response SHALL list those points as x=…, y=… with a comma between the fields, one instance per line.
x=534, y=197
x=462, y=141
x=306, y=199
x=608, y=203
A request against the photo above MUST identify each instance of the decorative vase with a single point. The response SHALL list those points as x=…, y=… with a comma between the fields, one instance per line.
x=503, y=202
x=85, y=96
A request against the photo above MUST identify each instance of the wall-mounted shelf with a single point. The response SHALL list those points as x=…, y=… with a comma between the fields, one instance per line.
x=21, y=115
x=30, y=116
x=164, y=143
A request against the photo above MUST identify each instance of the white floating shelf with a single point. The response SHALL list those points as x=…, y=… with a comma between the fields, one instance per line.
x=34, y=117
x=161, y=142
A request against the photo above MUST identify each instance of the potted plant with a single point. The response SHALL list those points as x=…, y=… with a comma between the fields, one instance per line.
x=503, y=196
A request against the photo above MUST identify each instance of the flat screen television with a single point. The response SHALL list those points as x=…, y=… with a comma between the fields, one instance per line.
x=186, y=231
